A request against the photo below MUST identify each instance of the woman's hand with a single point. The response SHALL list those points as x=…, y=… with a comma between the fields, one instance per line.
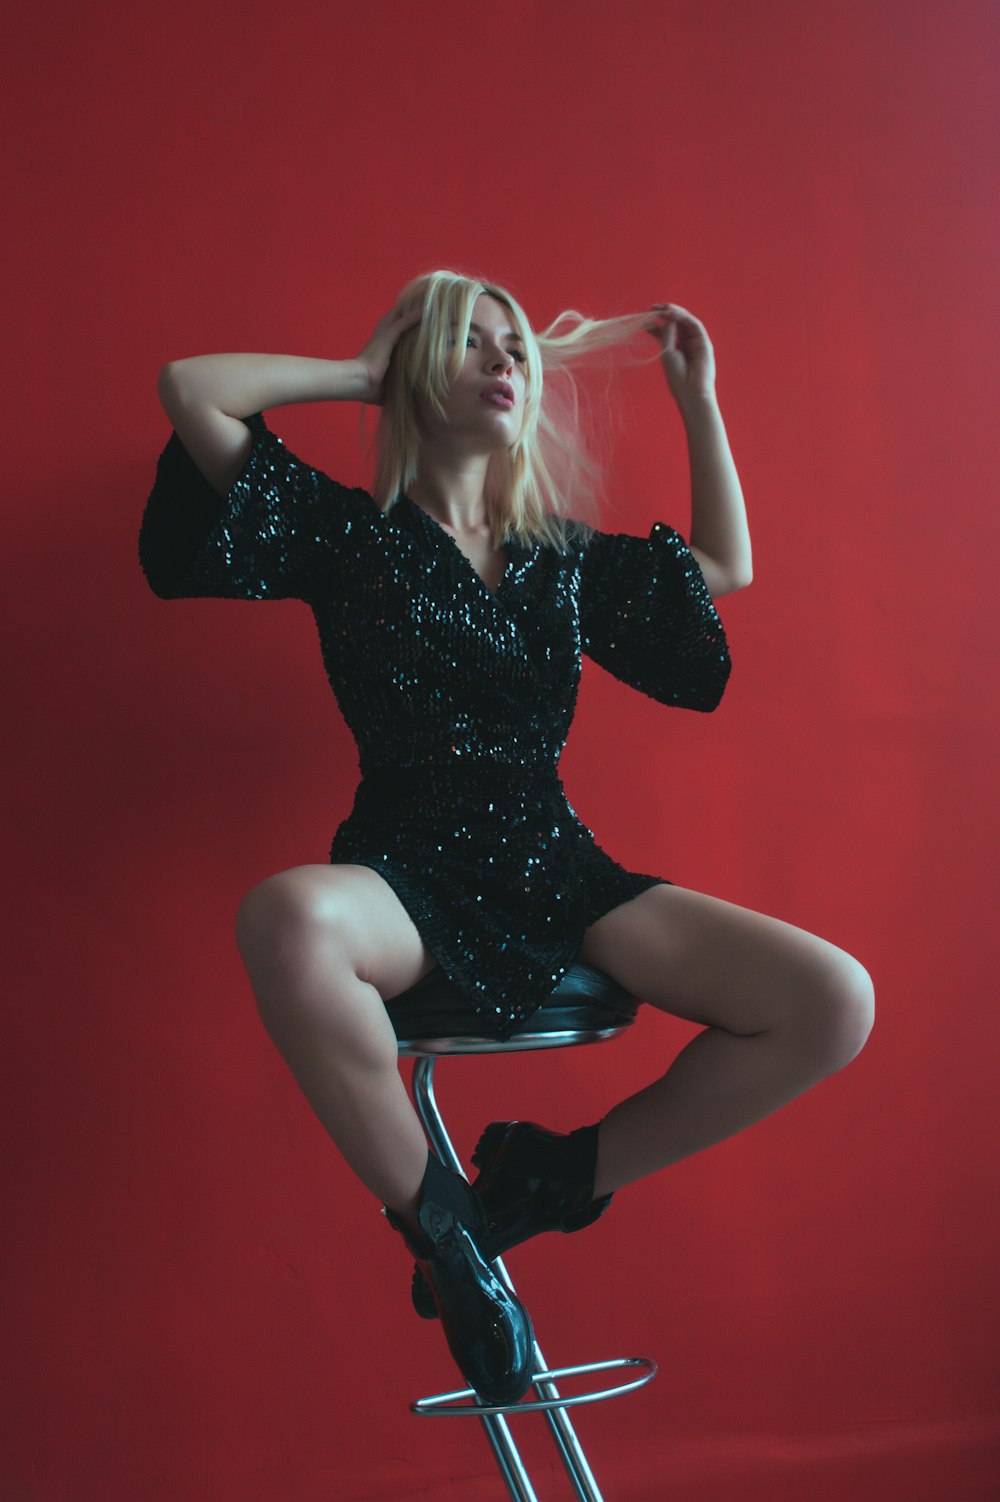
x=377, y=352
x=686, y=352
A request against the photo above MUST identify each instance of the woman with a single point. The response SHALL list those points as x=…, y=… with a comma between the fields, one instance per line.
x=453, y=604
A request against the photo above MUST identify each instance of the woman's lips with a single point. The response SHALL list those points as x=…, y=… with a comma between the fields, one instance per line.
x=499, y=400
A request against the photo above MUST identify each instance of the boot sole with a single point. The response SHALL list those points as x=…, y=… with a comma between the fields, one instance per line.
x=489, y=1143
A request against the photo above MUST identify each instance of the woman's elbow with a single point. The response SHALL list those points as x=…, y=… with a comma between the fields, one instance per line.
x=168, y=383
x=732, y=584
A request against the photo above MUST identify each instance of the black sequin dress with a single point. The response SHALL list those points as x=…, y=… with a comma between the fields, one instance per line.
x=459, y=699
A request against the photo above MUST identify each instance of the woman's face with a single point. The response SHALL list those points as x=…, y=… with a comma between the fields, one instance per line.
x=479, y=418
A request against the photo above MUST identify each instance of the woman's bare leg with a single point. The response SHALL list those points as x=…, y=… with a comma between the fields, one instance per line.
x=783, y=1009
x=322, y=946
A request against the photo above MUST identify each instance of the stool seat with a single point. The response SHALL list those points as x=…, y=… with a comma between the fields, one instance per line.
x=432, y=1018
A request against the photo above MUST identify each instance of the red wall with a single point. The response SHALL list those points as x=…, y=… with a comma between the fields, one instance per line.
x=203, y=1303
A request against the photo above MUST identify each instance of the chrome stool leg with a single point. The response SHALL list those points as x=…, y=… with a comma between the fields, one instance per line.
x=497, y=1429
x=433, y=1018
x=577, y=1468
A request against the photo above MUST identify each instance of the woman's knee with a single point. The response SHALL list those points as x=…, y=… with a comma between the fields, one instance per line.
x=286, y=903
x=840, y=1013
x=292, y=931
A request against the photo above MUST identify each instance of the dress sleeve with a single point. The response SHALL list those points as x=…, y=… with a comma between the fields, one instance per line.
x=646, y=615
x=271, y=537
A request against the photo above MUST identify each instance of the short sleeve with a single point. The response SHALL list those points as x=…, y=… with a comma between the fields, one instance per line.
x=646, y=615
x=271, y=537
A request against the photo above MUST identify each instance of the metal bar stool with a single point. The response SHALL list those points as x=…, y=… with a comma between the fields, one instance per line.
x=431, y=1019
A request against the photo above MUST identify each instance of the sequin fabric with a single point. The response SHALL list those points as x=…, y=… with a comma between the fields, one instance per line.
x=460, y=699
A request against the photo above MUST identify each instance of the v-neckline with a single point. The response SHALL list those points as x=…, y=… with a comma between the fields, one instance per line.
x=438, y=530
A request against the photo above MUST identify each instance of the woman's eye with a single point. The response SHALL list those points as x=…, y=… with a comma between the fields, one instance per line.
x=519, y=354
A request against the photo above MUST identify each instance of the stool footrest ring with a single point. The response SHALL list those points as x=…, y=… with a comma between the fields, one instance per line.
x=456, y=1409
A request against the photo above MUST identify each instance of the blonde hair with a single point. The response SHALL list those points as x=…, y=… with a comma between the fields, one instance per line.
x=546, y=485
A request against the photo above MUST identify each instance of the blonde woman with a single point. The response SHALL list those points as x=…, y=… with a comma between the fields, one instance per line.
x=453, y=602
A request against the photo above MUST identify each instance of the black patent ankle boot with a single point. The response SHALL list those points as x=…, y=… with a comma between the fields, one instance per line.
x=487, y=1328
x=530, y=1180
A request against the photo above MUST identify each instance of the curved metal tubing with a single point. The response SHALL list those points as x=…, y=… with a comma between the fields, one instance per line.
x=577, y=1467
x=416, y=1048
x=433, y=1405
x=501, y=1440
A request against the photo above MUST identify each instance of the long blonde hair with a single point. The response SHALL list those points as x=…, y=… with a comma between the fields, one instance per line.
x=547, y=484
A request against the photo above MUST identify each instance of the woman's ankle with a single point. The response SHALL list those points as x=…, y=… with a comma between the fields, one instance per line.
x=602, y=1180
x=406, y=1221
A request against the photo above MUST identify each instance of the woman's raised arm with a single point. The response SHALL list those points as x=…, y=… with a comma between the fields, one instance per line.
x=205, y=396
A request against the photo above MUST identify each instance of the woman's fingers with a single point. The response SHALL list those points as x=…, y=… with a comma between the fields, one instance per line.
x=408, y=316
x=388, y=331
x=673, y=310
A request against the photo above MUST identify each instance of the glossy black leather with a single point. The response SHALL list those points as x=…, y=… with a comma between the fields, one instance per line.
x=487, y=1328
x=530, y=1180
x=586, y=1000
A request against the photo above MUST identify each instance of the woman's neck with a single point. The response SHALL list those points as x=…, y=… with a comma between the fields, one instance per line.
x=452, y=490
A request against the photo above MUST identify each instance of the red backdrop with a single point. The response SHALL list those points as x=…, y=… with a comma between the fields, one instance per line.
x=203, y=1303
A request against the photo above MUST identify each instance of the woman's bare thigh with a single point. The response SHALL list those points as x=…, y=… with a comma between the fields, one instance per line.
x=710, y=961
x=347, y=907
